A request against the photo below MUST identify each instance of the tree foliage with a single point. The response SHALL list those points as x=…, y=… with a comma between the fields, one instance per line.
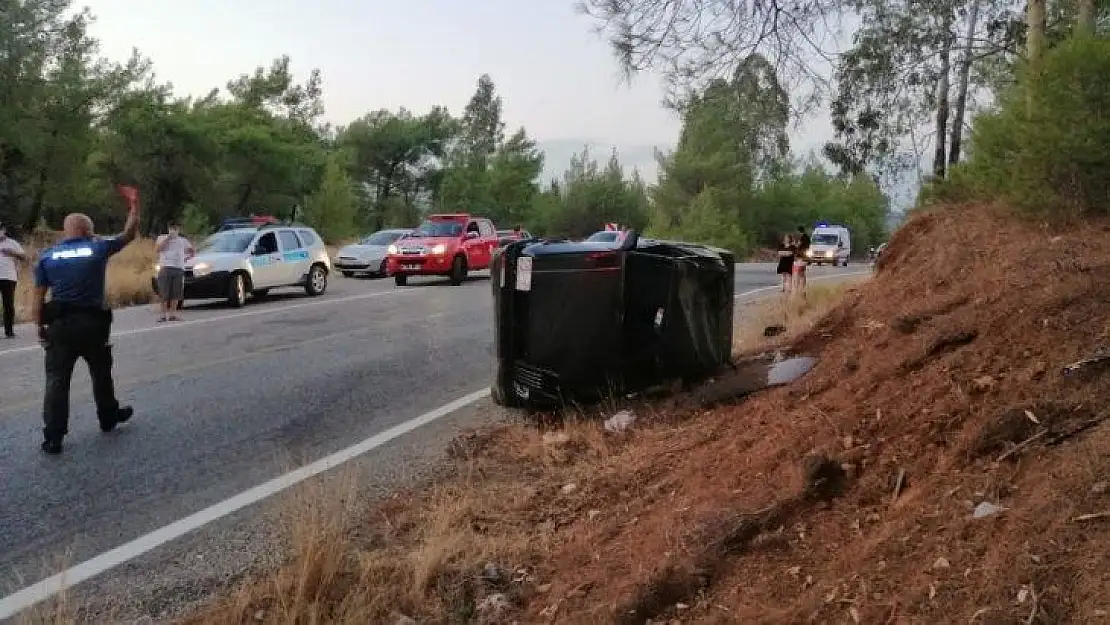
x=590, y=195
x=732, y=181
x=694, y=42
x=72, y=126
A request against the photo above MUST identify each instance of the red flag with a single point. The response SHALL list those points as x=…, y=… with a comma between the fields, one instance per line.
x=131, y=194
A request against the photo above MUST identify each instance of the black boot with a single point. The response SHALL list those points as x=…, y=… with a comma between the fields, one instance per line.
x=122, y=415
x=52, y=446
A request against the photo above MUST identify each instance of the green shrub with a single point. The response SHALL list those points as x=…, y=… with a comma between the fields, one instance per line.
x=194, y=222
x=1046, y=150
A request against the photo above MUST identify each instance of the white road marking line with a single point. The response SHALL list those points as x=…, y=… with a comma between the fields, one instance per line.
x=249, y=313
x=32, y=595
x=811, y=279
x=16, y=603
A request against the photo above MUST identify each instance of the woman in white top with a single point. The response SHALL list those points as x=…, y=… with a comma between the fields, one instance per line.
x=173, y=250
x=10, y=251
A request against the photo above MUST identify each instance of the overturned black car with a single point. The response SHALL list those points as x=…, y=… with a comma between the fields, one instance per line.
x=576, y=322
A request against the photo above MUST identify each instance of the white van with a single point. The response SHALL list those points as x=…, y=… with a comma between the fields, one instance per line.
x=830, y=244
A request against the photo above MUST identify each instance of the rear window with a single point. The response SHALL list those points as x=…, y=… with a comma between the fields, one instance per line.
x=308, y=237
x=289, y=240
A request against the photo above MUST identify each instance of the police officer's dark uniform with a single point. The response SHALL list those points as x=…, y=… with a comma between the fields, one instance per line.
x=78, y=324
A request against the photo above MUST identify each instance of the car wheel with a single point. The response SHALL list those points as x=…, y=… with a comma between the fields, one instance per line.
x=348, y=274
x=317, y=281
x=458, y=271
x=400, y=279
x=237, y=291
x=383, y=270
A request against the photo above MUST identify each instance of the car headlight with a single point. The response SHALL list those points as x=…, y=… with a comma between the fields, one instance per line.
x=201, y=269
x=392, y=249
x=439, y=249
x=157, y=267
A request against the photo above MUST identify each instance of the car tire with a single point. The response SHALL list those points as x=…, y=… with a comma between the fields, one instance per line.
x=348, y=274
x=317, y=281
x=383, y=269
x=458, y=271
x=400, y=279
x=237, y=291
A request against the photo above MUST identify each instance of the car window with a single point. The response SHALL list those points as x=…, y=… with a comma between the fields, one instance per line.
x=382, y=237
x=605, y=236
x=486, y=228
x=472, y=227
x=267, y=244
x=308, y=237
x=235, y=241
x=438, y=228
x=289, y=240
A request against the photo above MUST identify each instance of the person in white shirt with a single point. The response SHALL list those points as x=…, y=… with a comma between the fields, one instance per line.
x=10, y=252
x=173, y=250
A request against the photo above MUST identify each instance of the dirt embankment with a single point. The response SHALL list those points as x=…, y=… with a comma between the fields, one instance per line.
x=937, y=466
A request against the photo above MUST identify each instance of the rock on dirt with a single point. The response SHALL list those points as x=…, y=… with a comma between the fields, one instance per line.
x=620, y=421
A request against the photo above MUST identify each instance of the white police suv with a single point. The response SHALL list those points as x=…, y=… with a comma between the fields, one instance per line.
x=251, y=260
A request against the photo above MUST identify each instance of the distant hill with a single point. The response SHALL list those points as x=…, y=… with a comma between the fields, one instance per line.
x=558, y=153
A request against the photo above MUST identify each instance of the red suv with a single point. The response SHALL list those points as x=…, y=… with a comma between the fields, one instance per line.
x=444, y=245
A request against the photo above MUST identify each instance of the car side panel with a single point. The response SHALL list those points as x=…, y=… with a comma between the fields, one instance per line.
x=269, y=270
x=294, y=257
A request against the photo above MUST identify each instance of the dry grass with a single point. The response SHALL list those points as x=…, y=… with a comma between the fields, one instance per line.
x=128, y=280
x=794, y=314
x=482, y=541
x=437, y=555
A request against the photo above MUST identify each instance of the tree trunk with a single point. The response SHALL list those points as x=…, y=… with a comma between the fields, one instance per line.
x=1036, y=21
x=1085, y=24
x=35, y=213
x=244, y=197
x=939, y=161
x=1036, y=17
x=954, y=144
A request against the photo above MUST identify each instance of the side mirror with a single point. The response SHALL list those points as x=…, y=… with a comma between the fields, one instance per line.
x=471, y=235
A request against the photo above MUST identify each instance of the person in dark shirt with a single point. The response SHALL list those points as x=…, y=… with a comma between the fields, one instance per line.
x=801, y=253
x=786, y=261
x=77, y=322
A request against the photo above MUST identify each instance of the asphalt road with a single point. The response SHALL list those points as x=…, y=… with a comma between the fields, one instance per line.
x=228, y=399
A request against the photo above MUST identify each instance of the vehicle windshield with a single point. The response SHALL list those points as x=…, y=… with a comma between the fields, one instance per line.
x=605, y=236
x=825, y=239
x=233, y=241
x=438, y=229
x=385, y=237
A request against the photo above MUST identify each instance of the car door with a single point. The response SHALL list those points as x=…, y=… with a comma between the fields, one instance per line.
x=472, y=243
x=488, y=241
x=266, y=262
x=294, y=256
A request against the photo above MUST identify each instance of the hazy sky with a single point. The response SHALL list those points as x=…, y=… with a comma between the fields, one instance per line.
x=556, y=76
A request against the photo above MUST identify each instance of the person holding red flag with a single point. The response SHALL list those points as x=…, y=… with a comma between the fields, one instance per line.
x=77, y=322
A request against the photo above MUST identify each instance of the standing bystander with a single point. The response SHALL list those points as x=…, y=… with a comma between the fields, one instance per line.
x=10, y=251
x=785, y=267
x=77, y=321
x=173, y=250
x=801, y=254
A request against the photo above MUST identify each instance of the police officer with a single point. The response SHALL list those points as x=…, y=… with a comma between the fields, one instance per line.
x=77, y=322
